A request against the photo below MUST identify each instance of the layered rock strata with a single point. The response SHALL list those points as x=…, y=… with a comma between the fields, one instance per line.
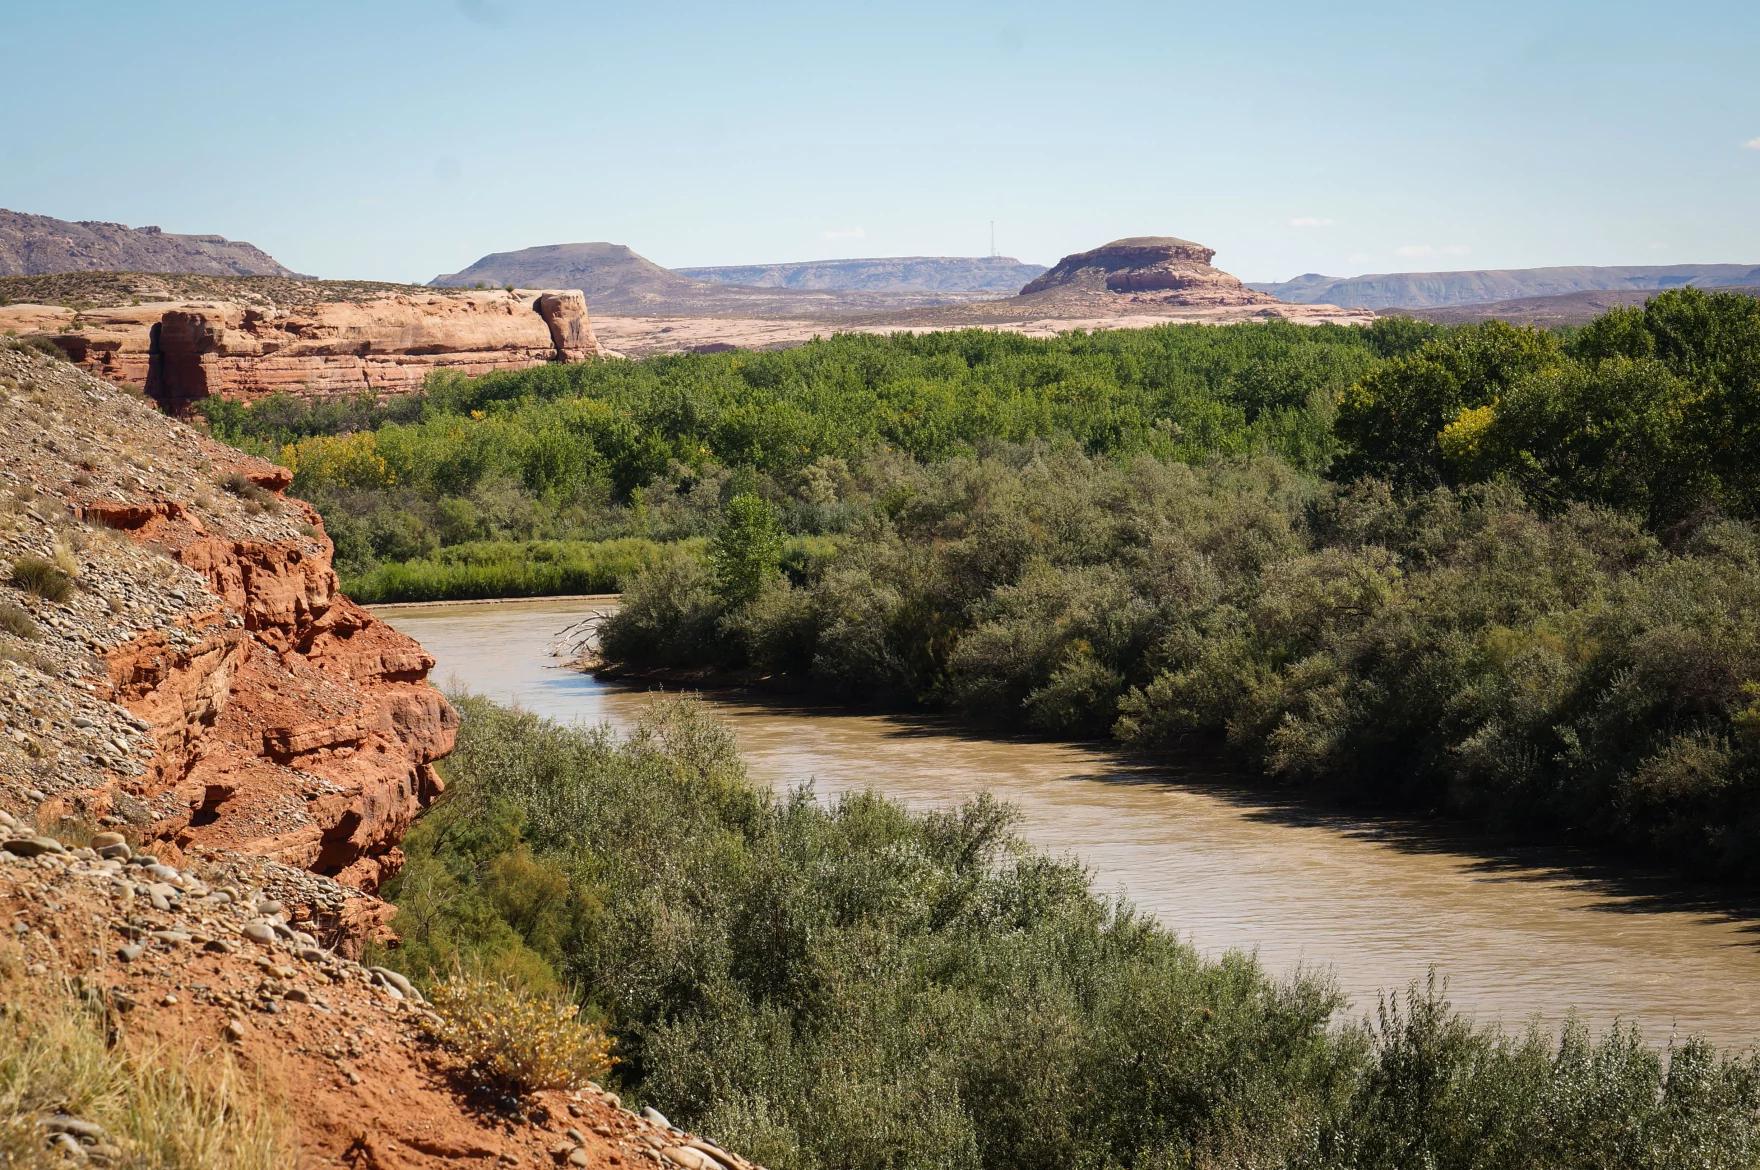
x=176, y=661
x=182, y=352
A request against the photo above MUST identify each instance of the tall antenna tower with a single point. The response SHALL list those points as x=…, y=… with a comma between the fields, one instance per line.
x=992, y=239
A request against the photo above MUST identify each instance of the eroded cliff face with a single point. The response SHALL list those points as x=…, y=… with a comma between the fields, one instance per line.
x=199, y=683
x=182, y=352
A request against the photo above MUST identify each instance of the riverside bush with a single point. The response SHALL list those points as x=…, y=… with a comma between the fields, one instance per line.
x=855, y=985
x=1455, y=650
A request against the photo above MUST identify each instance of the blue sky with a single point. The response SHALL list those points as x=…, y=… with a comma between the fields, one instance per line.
x=396, y=139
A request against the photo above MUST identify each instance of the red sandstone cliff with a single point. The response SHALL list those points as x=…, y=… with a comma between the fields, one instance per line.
x=201, y=684
x=180, y=352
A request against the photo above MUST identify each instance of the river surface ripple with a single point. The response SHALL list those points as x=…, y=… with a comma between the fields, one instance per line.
x=1519, y=934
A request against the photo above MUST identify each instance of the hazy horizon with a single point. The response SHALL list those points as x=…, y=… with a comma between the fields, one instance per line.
x=403, y=140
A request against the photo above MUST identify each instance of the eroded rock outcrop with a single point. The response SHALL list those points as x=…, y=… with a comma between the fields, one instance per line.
x=200, y=682
x=182, y=352
x=1164, y=269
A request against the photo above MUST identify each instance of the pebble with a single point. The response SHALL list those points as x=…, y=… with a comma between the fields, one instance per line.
x=85, y=1131
x=31, y=846
x=234, y=1030
x=578, y=1157
x=653, y=1116
x=258, y=932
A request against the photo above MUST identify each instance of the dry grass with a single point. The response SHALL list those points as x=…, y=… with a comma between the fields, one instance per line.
x=43, y=577
x=17, y=621
x=162, y=1109
x=515, y=1039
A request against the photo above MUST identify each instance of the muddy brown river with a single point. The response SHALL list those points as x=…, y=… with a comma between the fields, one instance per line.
x=1519, y=934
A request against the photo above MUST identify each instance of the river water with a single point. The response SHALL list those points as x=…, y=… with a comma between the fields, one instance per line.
x=1518, y=934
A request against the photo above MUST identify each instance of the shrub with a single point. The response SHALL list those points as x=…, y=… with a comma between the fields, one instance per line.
x=42, y=577
x=256, y=497
x=514, y=1039
x=17, y=621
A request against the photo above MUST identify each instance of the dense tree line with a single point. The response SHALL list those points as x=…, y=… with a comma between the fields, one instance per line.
x=858, y=987
x=654, y=449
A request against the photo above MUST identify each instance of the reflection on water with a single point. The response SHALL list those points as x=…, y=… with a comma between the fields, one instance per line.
x=1373, y=902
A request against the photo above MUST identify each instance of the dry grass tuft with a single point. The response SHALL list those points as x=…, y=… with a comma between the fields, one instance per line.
x=160, y=1108
x=17, y=621
x=43, y=577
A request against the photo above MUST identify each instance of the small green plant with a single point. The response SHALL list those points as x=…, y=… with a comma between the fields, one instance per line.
x=38, y=575
x=515, y=1039
x=17, y=621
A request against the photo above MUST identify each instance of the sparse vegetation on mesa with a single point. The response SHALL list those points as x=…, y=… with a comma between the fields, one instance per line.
x=858, y=986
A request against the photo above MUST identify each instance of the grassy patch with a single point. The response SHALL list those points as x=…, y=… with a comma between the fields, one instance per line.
x=159, y=1107
x=256, y=497
x=515, y=568
x=42, y=577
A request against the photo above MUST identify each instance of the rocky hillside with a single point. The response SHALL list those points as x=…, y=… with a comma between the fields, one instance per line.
x=207, y=759
x=200, y=976
x=275, y=336
x=176, y=662
x=1429, y=290
x=35, y=244
x=1172, y=270
x=999, y=275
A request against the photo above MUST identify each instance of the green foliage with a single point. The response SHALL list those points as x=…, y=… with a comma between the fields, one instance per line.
x=499, y=568
x=1456, y=651
x=855, y=985
x=657, y=449
x=747, y=551
x=1651, y=410
x=43, y=577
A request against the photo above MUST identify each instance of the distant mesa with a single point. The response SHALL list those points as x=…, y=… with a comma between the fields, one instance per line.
x=1163, y=269
x=1001, y=275
x=1434, y=290
x=609, y=274
x=36, y=245
x=619, y=280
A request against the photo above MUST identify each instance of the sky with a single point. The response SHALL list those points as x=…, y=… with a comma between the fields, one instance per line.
x=398, y=139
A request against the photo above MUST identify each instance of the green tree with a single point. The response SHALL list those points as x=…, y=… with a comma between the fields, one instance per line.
x=747, y=551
